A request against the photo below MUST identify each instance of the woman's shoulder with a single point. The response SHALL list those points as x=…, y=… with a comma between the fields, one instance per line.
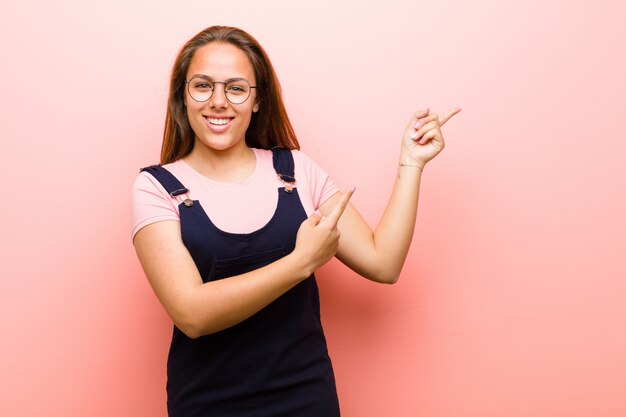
x=147, y=187
x=177, y=168
x=150, y=202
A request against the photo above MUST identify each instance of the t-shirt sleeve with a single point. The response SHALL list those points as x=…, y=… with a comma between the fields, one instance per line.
x=150, y=203
x=320, y=185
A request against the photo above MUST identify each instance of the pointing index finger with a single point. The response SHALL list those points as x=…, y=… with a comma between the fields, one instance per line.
x=448, y=115
x=339, y=208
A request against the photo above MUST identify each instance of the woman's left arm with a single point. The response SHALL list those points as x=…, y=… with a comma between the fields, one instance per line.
x=379, y=254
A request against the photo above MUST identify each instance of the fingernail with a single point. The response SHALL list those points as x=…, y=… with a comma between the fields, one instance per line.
x=352, y=189
x=417, y=125
x=317, y=212
x=414, y=135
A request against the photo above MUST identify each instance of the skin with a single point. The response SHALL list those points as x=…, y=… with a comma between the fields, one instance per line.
x=338, y=229
x=225, y=156
x=380, y=254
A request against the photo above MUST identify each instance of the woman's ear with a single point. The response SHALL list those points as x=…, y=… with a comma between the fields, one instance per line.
x=255, y=108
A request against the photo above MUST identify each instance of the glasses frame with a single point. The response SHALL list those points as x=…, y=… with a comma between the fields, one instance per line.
x=213, y=90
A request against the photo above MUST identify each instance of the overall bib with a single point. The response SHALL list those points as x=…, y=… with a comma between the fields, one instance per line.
x=274, y=363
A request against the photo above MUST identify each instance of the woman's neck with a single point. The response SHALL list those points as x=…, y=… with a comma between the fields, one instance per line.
x=228, y=165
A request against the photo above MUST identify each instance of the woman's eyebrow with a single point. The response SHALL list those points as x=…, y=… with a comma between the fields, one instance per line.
x=206, y=77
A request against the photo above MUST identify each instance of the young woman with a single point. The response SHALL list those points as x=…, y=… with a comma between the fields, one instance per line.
x=231, y=226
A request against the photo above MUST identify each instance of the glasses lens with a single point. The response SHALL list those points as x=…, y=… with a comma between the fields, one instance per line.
x=200, y=89
x=237, y=91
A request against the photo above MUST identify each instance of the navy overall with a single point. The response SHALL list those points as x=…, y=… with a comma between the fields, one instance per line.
x=274, y=363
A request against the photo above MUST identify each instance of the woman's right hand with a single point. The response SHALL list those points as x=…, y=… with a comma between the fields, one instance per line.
x=318, y=236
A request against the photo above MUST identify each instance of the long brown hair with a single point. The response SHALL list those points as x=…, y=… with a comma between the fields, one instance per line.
x=269, y=127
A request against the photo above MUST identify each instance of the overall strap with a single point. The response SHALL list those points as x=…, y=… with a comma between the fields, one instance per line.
x=167, y=180
x=284, y=166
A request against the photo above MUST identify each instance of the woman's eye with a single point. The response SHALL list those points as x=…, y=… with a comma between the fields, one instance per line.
x=235, y=89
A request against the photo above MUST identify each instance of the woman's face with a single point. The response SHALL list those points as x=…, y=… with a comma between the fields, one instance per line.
x=217, y=123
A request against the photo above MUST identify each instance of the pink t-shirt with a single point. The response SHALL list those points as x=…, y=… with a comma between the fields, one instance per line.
x=240, y=207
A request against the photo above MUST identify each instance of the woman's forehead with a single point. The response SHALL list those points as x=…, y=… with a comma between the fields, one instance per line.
x=221, y=60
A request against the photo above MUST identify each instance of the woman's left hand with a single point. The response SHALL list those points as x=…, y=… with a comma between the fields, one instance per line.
x=423, y=139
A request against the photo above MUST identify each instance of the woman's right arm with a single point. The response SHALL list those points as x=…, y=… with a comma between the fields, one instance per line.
x=199, y=308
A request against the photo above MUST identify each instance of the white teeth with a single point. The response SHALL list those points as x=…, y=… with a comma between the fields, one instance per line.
x=218, y=121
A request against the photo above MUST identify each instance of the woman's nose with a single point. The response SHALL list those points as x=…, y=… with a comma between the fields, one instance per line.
x=218, y=98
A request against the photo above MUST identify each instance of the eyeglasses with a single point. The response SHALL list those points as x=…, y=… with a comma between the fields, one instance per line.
x=237, y=90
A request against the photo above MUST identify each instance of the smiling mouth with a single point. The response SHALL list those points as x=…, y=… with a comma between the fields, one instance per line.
x=218, y=122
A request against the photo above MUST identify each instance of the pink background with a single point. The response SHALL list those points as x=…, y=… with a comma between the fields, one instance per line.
x=513, y=299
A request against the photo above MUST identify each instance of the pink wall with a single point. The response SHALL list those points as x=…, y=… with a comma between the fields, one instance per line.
x=513, y=299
